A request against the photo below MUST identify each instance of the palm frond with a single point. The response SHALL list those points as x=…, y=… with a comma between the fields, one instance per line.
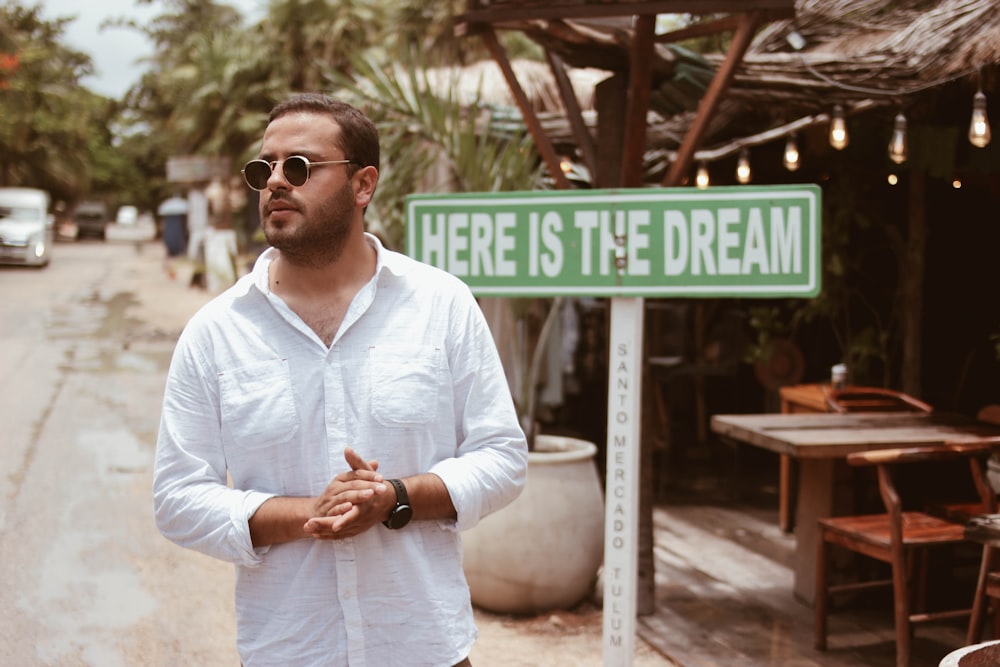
x=431, y=140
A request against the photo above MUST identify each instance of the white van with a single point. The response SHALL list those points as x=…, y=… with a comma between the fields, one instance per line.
x=26, y=226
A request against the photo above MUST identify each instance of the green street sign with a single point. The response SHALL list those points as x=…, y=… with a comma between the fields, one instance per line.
x=661, y=242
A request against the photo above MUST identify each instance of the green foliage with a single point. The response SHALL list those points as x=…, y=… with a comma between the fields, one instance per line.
x=210, y=83
x=858, y=305
x=48, y=118
x=430, y=141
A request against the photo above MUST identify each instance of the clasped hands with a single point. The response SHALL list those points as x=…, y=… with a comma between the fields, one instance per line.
x=352, y=503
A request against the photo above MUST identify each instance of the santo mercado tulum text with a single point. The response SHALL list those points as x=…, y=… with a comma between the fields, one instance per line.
x=669, y=242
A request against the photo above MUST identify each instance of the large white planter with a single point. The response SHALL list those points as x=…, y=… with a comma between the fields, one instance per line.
x=542, y=551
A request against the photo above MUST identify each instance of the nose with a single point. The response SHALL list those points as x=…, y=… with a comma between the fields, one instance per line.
x=277, y=171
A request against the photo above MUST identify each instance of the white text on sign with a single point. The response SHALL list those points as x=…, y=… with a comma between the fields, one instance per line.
x=706, y=242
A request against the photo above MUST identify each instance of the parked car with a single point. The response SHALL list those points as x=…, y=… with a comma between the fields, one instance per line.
x=26, y=226
x=127, y=215
x=90, y=218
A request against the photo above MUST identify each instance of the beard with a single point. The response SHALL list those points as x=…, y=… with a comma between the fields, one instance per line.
x=321, y=236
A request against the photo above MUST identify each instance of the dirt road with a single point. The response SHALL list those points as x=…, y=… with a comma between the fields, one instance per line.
x=85, y=578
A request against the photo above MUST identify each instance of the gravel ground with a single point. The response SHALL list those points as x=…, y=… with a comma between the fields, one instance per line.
x=557, y=639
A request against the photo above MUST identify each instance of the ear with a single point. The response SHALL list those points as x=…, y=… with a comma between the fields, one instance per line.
x=364, y=182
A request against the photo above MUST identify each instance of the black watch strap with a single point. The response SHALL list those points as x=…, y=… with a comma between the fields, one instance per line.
x=402, y=512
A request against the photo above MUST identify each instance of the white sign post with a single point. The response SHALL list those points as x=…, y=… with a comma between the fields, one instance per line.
x=621, y=504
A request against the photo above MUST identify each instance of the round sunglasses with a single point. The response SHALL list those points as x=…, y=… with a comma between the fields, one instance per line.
x=295, y=168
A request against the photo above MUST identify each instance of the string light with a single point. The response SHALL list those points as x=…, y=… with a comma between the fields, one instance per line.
x=979, y=126
x=791, y=153
x=701, y=178
x=897, y=144
x=838, y=129
x=743, y=167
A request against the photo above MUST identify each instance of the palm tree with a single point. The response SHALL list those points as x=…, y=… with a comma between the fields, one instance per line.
x=48, y=116
x=310, y=36
x=431, y=140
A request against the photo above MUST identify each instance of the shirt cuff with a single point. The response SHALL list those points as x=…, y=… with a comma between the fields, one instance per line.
x=463, y=494
x=248, y=555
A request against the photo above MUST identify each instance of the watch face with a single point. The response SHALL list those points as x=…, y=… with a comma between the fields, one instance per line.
x=400, y=517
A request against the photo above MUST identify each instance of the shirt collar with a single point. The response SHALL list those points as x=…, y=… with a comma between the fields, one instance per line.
x=393, y=262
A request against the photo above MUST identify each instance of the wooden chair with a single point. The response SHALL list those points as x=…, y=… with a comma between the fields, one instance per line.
x=899, y=537
x=964, y=512
x=989, y=413
x=845, y=399
x=985, y=528
x=858, y=398
x=873, y=399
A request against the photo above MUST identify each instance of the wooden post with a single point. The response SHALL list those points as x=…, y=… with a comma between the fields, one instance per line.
x=911, y=281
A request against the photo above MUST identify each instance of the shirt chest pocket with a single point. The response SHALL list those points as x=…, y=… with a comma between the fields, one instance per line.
x=258, y=407
x=405, y=384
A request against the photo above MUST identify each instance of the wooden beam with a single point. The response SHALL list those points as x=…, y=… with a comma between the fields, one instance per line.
x=640, y=81
x=582, y=136
x=610, y=100
x=714, y=94
x=480, y=15
x=725, y=24
x=542, y=141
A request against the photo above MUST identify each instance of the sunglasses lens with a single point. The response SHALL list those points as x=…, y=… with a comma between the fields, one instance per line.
x=256, y=173
x=296, y=170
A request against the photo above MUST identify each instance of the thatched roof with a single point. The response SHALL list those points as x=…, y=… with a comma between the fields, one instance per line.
x=868, y=52
x=484, y=82
x=867, y=55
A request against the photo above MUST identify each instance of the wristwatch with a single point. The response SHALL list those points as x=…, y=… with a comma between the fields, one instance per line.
x=402, y=512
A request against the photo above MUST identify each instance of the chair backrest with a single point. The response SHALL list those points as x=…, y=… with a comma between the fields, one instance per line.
x=975, y=451
x=873, y=399
x=989, y=413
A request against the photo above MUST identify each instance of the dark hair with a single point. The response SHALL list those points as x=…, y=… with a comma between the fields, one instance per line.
x=357, y=132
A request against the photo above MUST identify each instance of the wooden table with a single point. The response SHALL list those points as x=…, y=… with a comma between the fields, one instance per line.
x=796, y=398
x=819, y=442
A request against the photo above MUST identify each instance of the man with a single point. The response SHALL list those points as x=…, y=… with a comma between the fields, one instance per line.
x=356, y=400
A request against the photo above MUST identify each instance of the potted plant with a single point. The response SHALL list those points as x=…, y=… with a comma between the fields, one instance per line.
x=544, y=550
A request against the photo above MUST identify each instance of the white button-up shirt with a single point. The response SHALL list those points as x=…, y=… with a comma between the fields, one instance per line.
x=412, y=379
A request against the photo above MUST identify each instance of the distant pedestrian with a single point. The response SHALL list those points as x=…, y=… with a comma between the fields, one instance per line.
x=197, y=229
x=173, y=213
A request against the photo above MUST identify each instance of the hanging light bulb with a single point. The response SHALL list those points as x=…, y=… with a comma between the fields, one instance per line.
x=743, y=167
x=701, y=178
x=838, y=129
x=791, y=154
x=897, y=144
x=979, y=127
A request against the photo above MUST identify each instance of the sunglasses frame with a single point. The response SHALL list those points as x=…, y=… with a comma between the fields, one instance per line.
x=273, y=164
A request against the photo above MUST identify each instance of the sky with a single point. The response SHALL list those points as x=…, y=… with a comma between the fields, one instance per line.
x=115, y=51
